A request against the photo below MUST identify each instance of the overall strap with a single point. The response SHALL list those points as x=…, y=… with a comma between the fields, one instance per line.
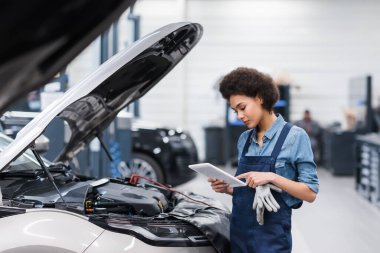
x=280, y=141
x=247, y=143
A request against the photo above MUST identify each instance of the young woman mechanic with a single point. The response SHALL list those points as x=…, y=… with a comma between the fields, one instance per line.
x=273, y=154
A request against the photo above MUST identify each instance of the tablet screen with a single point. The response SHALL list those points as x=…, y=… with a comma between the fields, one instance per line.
x=210, y=170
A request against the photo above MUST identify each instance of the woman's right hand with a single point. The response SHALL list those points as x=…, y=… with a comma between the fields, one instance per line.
x=220, y=186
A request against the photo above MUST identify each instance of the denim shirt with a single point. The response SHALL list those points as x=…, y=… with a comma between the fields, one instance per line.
x=295, y=161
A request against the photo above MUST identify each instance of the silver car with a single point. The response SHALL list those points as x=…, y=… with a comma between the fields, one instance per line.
x=46, y=207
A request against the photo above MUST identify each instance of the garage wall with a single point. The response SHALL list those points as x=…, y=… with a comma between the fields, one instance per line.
x=84, y=64
x=317, y=45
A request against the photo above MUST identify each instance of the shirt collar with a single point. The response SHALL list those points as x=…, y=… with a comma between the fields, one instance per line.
x=277, y=125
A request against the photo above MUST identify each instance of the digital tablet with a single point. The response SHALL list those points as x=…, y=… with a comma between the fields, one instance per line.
x=210, y=170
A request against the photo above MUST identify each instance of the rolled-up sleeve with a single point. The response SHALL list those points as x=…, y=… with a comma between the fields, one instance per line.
x=303, y=161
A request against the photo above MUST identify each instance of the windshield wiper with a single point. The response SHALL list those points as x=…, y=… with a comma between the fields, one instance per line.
x=48, y=174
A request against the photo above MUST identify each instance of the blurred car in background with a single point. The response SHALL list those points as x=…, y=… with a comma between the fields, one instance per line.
x=165, y=152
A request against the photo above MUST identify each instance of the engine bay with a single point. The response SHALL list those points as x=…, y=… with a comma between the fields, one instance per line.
x=156, y=215
x=85, y=196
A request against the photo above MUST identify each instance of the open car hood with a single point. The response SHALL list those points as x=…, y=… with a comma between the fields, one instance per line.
x=40, y=37
x=90, y=106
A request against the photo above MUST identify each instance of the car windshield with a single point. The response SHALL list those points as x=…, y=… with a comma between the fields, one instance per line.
x=25, y=162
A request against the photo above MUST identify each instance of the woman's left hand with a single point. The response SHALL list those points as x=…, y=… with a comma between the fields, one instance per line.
x=255, y=178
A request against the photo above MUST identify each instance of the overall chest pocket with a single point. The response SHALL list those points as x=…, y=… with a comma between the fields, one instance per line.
x=280, y=167
x=286, y=170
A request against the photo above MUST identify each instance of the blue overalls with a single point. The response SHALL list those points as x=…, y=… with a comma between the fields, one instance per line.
x=246, y=234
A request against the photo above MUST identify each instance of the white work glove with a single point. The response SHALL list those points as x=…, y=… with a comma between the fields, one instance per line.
x=264, y=198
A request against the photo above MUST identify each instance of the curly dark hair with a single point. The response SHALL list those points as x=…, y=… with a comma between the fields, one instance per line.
x=251, y=83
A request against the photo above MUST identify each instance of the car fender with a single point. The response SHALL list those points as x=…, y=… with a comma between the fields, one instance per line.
x=47, y=230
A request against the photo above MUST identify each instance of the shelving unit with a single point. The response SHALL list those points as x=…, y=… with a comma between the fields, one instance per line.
x=367, y=171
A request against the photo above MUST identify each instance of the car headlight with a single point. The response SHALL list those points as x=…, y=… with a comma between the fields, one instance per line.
x=158, y=232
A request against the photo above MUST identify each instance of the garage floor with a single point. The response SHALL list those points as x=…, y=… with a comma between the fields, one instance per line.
x=339, y=220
